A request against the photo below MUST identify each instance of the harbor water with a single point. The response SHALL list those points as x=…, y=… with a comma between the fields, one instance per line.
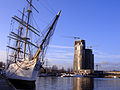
x=77, y=83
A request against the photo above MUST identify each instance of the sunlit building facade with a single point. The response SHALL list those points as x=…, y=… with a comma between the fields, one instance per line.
x=83, y=58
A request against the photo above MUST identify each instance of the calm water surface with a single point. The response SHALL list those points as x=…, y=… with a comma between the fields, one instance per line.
x=70, y=83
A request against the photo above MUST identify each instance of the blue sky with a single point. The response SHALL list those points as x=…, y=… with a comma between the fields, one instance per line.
x=96, y=21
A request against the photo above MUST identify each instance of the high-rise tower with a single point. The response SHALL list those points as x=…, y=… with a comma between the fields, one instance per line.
x=79, y=55
x=83, y=58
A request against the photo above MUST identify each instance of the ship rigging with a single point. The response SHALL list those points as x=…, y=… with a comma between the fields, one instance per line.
x=25, y=57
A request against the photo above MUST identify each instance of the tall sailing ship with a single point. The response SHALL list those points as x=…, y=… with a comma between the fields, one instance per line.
x=26, y=58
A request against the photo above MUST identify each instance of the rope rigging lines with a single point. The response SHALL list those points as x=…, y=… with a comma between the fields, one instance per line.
x=47, y=6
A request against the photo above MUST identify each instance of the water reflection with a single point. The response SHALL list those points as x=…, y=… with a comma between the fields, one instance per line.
x=54, y=83
x=83, y=83
x=73, y=83
x=65, y=83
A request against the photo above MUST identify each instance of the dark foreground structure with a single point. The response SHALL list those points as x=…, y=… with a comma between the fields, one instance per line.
x=6, y=85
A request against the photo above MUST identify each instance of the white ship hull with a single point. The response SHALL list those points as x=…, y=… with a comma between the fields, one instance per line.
x=22, y=70
x=22, y=74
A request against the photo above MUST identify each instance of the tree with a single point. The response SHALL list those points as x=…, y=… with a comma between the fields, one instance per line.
x=69, y=70
x=54, y=68
x=2, y=64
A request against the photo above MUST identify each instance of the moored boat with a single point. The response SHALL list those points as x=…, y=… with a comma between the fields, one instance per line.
x=23, y=63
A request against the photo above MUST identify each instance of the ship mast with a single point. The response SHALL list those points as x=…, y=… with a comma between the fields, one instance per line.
x=47, y=35
x=18, y=40
x=18, y=36
x=29, y=12
x=25, y=39
x=21, y=28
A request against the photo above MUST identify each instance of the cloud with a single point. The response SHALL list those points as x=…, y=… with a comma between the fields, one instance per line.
x=107, y=66
x=99, y=54
x=60, y=55
x=108, y=56
x=66, y=63
x=60, y=52
x=107, y=61
x=64, y=47
x=64, y=55
x=60, y=60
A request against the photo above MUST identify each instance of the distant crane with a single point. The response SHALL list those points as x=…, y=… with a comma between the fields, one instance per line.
x=73, y=37
x=90, y=47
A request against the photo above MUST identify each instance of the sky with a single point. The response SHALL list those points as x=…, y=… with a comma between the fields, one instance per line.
x=95, y=21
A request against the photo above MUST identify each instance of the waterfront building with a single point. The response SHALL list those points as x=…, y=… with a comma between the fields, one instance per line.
x=83, y=58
